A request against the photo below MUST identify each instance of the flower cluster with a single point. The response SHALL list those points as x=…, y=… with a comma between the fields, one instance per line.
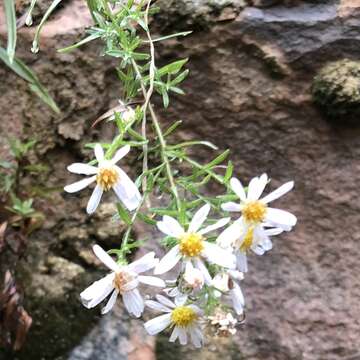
x=207, y=258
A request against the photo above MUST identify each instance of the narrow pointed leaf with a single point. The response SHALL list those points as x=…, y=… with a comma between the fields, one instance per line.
x=11, y=28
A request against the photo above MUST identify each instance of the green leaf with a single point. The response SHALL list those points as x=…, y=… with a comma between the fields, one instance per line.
x=11, y=28
x=219, y=159
x=191, y=143
x=180, y=78
x=124, y=215
x=172, y=128
x=25, y=72
x=184, y=33
x=172, y=68
x=146, y=219
x=165, y=97
x=229, y=172
x=35, y=44
x=80, y=43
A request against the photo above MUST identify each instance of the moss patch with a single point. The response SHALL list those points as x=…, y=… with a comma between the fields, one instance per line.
x=336, y=90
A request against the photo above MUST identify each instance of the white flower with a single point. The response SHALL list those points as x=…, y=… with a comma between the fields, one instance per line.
x=255, y=210
x=242, y=237
x=249, y=231
x=128, y=115
x=183, y=318
x=192, y=245
x=107, y=176
x=123, y=280
x=227, y=282
x=194, y=278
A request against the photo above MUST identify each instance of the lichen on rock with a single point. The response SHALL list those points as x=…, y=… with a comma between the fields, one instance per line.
x=336, y=89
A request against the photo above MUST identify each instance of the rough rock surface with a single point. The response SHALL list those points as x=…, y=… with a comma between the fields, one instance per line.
x=249, y=90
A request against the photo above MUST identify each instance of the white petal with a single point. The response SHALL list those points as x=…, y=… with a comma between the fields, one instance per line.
x=182, y=336
x=241, y=261
x=258, y=250
x=267, y=244
x=280, y=218
x=237, y=299
x=157, y=306
x=120, y=154
x=97, y=292
x=201, y=266
x=174, y=334
x=273, y=231
x=231, y=206
x=131, y=285
x=230, y=234
x=85, y=169
x=133, y=302
x=197, y=310
x=196, y=337
x=158, y=324
x=172, y=292
x=152, y=280
x=238, y=188
x=99, y=153
x=79, y=185
x=199, y=218
x=181, y=299
x=110, y=304
x=253, y=189
x=94, y=200
x=128, y=193
x=170, y=226
x=103, y=256
x=165, y=301
x=143, y=264
x=216, y=255
x=129, y=186
x=168, y=261
x=217, y=225
x=282, y=190
x=262, y=182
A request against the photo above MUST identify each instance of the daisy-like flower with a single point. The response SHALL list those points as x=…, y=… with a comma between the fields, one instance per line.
x=107, y=175
x=249, y=232
x=194, y=278
x=123, y=280
x=192, y=246
x=184, y=319
x=227, y=282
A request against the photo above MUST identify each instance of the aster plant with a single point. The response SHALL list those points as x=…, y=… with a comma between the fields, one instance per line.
x=196, y=284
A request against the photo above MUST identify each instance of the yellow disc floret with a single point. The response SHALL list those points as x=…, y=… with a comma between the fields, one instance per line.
x=183, y=316
x=107, y=178
x=121, y=279
x=191, y=244
x=248, y=240
x=254, y=211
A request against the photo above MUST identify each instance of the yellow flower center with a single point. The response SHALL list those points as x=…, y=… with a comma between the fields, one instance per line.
x=121, y=279
x=248, y=240
x=107, y=177
x=254, y=211
x=183, y=316
x=191, y=244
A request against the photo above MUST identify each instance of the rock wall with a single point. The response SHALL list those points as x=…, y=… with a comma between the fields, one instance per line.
x=249, y=90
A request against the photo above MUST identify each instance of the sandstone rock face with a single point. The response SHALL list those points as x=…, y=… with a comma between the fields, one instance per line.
x=249, y=90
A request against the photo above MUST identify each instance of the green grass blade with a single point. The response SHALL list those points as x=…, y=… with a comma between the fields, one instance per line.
x=80, y=43
x=35, y=45
x=11, y=28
